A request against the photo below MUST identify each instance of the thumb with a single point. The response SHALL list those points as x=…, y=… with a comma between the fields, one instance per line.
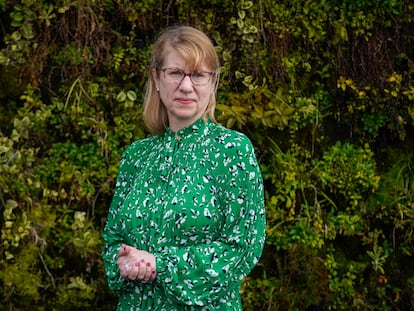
x=124, y=250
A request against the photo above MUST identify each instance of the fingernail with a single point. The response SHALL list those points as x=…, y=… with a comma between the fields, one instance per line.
x=142, y=260
x=148, y=264
x=153, y=271
x=137, y=264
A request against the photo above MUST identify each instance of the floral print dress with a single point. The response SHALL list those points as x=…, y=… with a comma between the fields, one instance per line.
x=195, y=200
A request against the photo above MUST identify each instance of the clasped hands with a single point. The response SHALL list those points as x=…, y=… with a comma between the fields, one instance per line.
x=135, y=264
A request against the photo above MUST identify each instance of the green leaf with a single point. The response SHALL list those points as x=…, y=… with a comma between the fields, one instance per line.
x=17, y=17
x=27, y=31
x=132, y=96
x=121, y=96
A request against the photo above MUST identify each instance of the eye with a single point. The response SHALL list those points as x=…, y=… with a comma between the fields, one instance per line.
x=199, y=75
x=175, y=72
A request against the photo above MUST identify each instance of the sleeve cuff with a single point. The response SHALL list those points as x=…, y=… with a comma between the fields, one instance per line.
x=166, y=264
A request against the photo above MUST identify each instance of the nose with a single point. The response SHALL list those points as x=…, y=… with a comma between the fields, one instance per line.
x=186, y=84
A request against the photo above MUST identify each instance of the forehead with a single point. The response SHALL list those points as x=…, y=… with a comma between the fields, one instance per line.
x=183, y=60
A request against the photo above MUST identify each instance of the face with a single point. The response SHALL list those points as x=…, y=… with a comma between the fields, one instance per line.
x=185, y=102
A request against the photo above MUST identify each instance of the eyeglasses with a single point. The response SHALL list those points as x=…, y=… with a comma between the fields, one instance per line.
x=176, y=75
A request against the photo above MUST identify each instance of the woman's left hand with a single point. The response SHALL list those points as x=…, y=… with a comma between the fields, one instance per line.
x=135, y=264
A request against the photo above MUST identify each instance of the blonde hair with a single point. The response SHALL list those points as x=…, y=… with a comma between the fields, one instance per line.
x=197, y=49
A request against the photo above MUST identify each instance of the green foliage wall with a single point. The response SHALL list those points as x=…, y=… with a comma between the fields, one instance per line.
x=324, y=89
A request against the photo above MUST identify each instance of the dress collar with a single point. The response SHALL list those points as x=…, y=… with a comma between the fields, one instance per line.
x=195, y=128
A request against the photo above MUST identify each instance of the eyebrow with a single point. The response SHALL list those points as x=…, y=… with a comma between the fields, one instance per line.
x=194, y=70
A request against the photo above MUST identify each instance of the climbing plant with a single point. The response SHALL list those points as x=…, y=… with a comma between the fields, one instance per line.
x=324, y=89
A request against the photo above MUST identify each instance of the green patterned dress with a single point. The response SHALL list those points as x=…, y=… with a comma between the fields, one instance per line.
x=197, y=204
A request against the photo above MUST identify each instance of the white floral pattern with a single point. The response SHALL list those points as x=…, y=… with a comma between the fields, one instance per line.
x=197, y=204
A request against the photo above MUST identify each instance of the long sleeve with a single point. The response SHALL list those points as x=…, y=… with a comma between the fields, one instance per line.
x=206, y=273
x=113, y=231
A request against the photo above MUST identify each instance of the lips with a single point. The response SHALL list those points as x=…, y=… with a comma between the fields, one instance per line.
x=185, y=101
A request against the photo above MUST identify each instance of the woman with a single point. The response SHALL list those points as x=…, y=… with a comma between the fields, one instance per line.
x=187, y=221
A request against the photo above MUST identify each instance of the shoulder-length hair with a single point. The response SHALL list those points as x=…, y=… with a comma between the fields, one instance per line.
x=197, y=49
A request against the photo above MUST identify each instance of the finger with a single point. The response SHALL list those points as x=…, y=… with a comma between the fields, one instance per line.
x=153, y=274
x=134, y=271
x=142, y=270
x=148, y=272
x=123, y=250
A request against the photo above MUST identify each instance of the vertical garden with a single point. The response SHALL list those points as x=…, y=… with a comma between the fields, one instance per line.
x=324, y=89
